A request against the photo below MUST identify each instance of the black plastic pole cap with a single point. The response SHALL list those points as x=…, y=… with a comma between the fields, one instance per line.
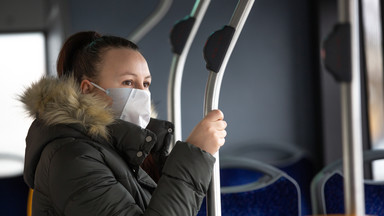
x=336, y=53
x=216, y=47
x=179, y=34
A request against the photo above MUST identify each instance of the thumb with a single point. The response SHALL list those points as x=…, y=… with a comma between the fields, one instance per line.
x=215, y=115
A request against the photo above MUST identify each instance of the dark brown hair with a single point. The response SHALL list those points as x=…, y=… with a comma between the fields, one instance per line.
x=82, y=53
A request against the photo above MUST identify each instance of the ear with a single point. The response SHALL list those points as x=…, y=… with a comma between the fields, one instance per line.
x=86, y=86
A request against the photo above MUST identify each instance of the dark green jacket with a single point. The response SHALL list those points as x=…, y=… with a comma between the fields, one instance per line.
x=80, y=161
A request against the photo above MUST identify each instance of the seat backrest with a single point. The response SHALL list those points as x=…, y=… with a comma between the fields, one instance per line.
x=261, y=189
x=327, y=189
x=287, y=157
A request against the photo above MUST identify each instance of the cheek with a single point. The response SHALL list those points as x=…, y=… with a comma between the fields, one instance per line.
x=105, y=97
x=108, y=99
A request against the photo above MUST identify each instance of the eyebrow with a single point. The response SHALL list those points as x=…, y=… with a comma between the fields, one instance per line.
x=131, y=74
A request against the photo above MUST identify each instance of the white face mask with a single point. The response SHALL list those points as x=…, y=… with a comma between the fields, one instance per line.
x=129, y=104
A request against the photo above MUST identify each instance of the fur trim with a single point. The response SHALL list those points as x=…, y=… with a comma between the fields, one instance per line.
x=60, y=101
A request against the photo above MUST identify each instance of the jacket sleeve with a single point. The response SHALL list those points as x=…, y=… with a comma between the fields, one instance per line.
x=184, y=182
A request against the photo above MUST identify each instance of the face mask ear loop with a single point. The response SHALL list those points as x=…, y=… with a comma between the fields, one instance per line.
x=97, y=86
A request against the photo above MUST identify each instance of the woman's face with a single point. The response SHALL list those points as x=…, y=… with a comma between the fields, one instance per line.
x=124, y=68
x=120, y=68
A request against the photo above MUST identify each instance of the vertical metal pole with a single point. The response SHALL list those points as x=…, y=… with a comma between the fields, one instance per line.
x=351, y=117
x=176, y=72
x=174, y=98
x=212, y=94
x=211, y=102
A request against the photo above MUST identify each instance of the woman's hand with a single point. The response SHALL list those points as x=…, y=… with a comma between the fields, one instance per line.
x=209, y=134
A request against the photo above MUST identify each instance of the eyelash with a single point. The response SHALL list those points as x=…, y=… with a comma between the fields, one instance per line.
x=126, y=81
x=146, y=84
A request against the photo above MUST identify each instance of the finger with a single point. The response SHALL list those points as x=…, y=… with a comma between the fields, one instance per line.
x=221, y=134
x=223, y=125
x=221, y=141
x=219, y=125
x=215, y=115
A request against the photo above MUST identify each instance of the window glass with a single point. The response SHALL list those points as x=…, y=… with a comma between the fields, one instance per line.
x=22, y=61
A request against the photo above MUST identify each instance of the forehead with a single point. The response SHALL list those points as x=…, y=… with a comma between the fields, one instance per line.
x=120, y=61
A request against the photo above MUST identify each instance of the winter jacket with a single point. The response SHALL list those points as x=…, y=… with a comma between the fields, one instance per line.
x=81, y=161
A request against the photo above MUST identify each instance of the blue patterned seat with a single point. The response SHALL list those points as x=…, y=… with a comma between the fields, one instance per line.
x=286, y=157
x=251, y=187
x=327, y=189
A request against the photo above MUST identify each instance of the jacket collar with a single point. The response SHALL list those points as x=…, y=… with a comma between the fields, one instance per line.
x=134, y=142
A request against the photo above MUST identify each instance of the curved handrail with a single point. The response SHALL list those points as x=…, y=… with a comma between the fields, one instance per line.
x=269, y=171
x=154, y=18
x=287, y=153
x=259, y=184
x=368, y=156
x=217, y=52
x=182, y=36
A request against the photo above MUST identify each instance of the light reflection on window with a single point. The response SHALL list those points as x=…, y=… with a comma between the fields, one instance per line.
x=22, y=61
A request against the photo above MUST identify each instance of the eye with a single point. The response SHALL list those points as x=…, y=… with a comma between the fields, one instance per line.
x=128, y=82
x=146, y=84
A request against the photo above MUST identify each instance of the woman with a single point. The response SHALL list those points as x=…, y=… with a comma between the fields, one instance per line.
x=89, y=153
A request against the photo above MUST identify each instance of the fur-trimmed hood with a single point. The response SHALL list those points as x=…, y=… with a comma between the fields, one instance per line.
x=60, y=101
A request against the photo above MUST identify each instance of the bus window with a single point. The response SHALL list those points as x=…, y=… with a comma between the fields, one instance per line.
x=22, y=61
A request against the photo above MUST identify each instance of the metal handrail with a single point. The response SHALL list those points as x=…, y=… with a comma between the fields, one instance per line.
x=342, y=59
x=182, y=36
x=351, y=117
x=154, y=18
x=217, y=52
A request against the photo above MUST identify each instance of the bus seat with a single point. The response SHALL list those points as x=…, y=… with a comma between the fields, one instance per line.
x=327, y=189
x=286, y=157
x=261, y=190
